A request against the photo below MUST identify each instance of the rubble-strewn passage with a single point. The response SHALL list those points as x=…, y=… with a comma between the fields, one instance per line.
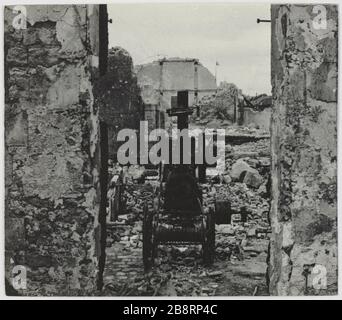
x=241, y=237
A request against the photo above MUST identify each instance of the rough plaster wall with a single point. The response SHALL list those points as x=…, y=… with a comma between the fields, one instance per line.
x=303, y=210
x=206, y=79
x=178, y=75
x=52, y=137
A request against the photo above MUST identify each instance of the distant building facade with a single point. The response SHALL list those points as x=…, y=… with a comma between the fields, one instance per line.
x=160, y=81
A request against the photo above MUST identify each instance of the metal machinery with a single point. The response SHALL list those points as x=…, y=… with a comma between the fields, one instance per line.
x=178, y=216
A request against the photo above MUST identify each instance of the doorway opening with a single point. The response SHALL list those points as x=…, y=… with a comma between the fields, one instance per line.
x=145, y=74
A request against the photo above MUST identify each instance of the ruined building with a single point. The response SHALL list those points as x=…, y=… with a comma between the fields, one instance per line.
x=229, y=107
x=160, y=80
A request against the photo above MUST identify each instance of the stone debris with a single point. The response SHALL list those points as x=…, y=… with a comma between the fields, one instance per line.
x=253, y=178
x=215, y=273
x=238, y=168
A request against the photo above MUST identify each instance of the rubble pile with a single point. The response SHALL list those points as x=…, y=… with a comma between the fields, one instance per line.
x=138, y=195
x=243, y=198
x=245, y=182
x=179, y=271
x=129, y=224
x=256, y=154
x=218, y=108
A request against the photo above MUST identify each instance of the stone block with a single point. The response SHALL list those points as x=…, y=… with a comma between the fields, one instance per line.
x=238, y=168
x=253, y=178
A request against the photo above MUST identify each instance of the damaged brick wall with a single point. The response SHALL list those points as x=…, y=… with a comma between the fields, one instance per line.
x=52, y=148
x=303, y=248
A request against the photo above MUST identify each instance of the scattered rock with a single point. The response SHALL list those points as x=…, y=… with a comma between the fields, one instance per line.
x=226, y=179
x=253, y=178
x=238, y=168
x=168, y=290
x=215, y=273
x=225, y=229
x=251, y=232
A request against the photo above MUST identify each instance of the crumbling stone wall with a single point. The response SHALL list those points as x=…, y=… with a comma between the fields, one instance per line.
x=52, y=148
x=303, y=248
x=118, y=97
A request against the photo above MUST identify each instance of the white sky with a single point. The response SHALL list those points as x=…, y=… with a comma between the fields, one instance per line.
x=227, y=33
